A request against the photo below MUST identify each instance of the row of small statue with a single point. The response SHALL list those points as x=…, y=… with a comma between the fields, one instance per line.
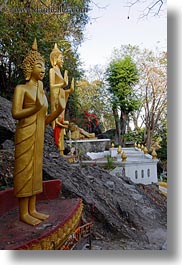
x=120, y=153
x=145, y=150
x=142, y=148
x=138, y=146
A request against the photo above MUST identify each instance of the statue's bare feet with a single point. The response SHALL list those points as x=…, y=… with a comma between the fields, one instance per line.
x=40, y=216
x=28, y=219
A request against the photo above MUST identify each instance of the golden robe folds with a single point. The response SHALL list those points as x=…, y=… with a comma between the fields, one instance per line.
x=29, y=140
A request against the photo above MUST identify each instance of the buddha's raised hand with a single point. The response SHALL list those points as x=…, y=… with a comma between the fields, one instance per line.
x=66, y=77
x=72, y=85
x=39, y=98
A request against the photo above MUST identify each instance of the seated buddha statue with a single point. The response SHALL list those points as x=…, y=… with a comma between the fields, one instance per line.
x=78, y=133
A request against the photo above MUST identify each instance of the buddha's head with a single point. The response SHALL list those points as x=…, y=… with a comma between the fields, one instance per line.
x=56, y=57
x=72, y=126
x=30, y=60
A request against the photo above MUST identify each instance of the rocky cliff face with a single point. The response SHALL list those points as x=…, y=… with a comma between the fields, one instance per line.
x=132, y=215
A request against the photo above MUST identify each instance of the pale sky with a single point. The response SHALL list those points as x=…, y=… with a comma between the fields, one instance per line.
x=112, y=29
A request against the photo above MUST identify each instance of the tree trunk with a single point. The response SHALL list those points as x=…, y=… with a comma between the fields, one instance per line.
x=148, y=140
x=117, y=123
x=123, y=123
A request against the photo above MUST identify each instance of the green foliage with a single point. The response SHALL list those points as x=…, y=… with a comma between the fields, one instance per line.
x=110, y=164
x=92, y=96
x=49, y=21
x=136, y=136
x=150, y=91
x=122, y=76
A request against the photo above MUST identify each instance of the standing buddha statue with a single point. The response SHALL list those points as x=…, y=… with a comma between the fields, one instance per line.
x=57, y=83
x=29, y=108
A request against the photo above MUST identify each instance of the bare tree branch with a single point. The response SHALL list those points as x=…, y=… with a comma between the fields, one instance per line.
x=148, y=8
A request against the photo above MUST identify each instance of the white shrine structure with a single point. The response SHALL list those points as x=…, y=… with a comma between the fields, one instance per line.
x=138, y=166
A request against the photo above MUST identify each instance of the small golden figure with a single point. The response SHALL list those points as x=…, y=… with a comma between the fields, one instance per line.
x=145, y=150
x=59, y=132
x=124, y=156
x=154, y=154
x=142, y=147
x=57, y=83
x=119, y=150
x=30, y=109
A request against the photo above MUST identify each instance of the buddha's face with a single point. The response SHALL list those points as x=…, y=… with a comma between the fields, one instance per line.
x=72, y=127
x=38, y=71
x=60, y=61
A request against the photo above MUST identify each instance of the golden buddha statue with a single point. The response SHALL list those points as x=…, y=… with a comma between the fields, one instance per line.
x=57, y=83
x=78, y=133
x=59, y=132
x=30, y=109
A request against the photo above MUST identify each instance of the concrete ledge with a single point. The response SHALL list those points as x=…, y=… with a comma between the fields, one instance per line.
x=90, y=145
x=88, y=141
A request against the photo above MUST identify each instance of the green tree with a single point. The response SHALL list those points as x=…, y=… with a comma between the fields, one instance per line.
x=151, y=88
x=122, y=75
x=93, y=96
x=49, y=21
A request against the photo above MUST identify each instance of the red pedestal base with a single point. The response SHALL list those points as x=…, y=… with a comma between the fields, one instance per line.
x=64, y=217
